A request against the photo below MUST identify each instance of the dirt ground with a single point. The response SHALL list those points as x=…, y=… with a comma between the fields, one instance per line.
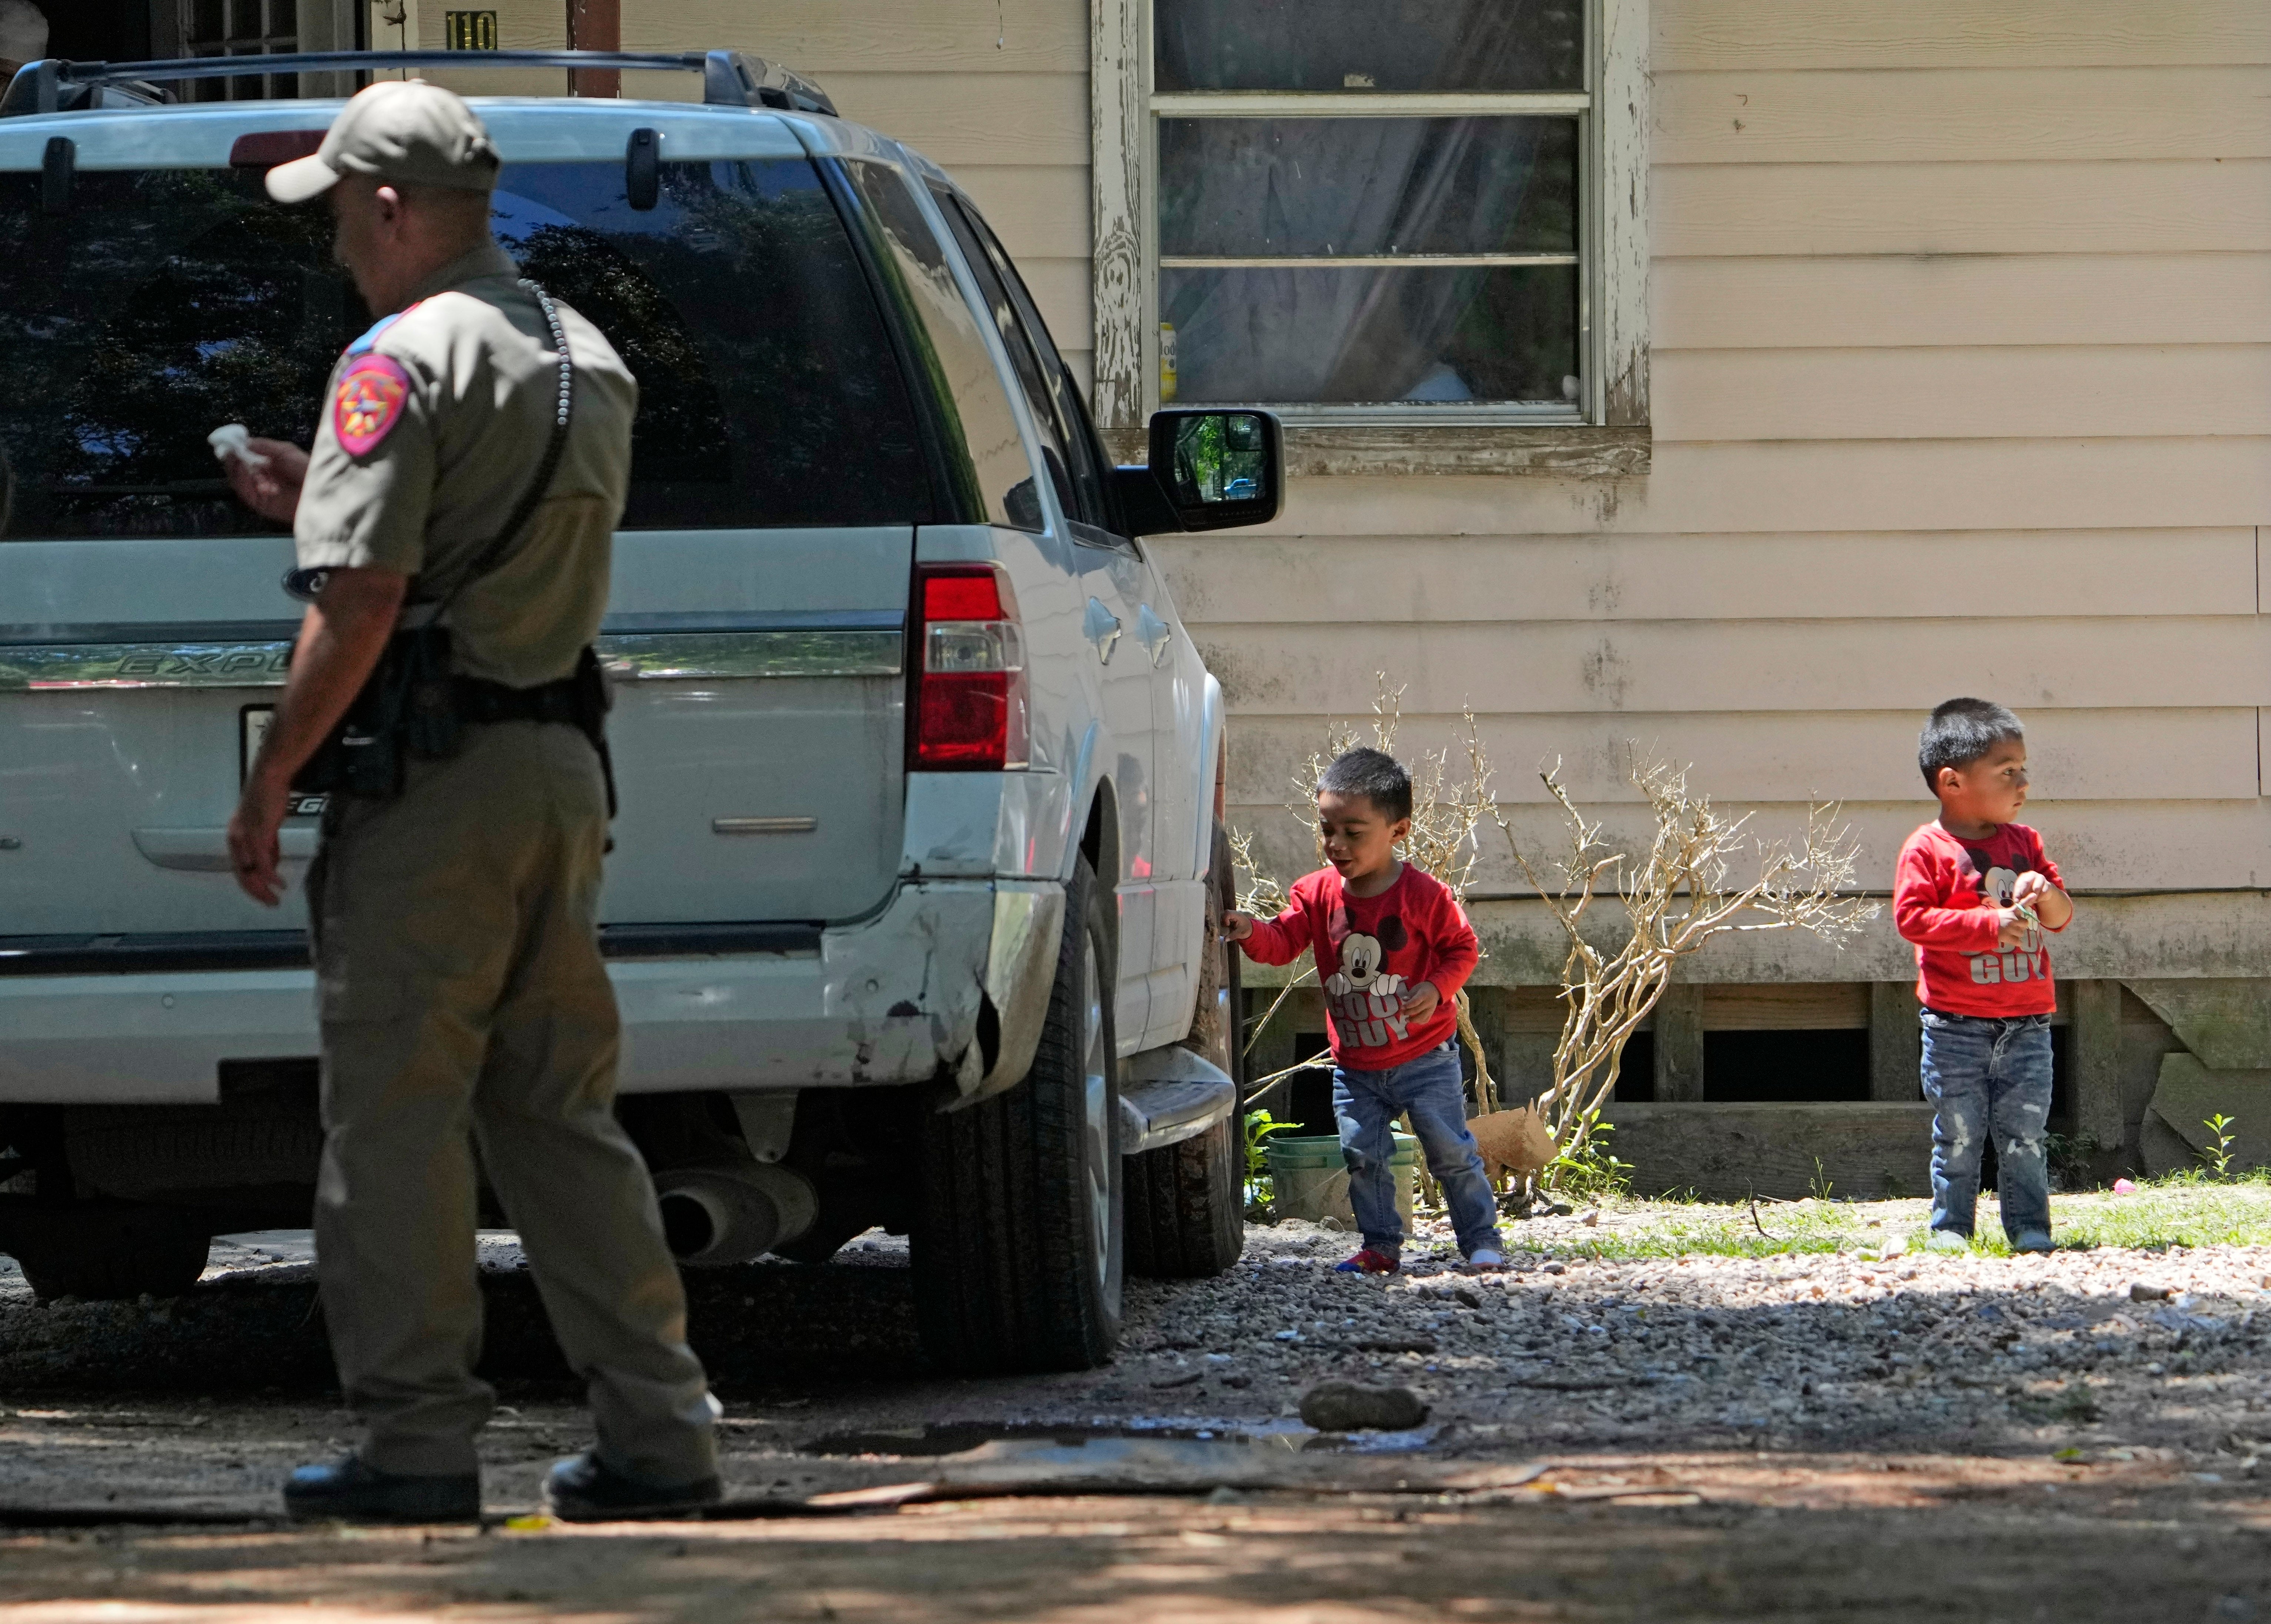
x=2072, y=1438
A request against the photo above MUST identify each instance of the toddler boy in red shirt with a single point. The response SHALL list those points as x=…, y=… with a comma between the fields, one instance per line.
x=1392, y=948
x=1974, y=892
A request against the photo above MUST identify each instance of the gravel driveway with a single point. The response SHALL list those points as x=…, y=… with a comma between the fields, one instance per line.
x=2087, y=1387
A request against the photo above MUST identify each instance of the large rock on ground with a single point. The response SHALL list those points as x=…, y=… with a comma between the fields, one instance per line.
x=1349, y=1406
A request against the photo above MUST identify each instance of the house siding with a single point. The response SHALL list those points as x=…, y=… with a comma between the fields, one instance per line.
x=1961, y=385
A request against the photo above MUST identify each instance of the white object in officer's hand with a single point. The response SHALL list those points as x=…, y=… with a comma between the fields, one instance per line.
x=234, y=440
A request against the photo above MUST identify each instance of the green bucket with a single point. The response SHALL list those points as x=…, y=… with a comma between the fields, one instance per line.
x=1311, y=1177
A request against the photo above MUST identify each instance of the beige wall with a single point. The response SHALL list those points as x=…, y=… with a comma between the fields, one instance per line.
x=1962, y=328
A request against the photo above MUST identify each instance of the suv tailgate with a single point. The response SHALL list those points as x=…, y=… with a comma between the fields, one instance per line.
x=761, y=579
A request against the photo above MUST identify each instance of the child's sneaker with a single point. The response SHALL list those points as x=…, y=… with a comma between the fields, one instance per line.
x=1948, y=1241
x=1484, y=1260
x=1370, y=1261
x=2035, y=1240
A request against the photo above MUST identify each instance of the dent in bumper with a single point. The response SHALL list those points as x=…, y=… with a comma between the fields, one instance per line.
x=1021, y=969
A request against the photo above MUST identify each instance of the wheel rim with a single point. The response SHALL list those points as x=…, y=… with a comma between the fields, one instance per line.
x=1095, y=1067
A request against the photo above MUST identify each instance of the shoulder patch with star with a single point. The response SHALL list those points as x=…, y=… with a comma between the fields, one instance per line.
x=368, y=402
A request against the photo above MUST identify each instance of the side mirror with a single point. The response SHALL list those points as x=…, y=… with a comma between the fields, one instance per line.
x=1209, y=471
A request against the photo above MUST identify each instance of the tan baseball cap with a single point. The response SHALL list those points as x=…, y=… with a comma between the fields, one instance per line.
x=404, y=131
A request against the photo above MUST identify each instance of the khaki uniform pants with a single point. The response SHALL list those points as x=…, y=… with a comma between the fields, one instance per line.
x=463, y=999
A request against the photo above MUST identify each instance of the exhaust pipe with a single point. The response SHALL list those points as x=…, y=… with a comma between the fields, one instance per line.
x=714, y=1216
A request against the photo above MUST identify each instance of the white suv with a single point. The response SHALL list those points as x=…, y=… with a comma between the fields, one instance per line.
x=909, y=907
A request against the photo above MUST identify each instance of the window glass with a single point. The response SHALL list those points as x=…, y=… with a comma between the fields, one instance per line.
x=1342, y=187
x=1041, y=398
x=1359, y=45
x=1392, y=334
x=953, y=350
x=1334, y=261
x=768, y=394
x=170, y=302
x=1093, y=504
x=1339, y=260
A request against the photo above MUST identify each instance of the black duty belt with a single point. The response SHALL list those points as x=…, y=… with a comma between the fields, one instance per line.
x=482, y=701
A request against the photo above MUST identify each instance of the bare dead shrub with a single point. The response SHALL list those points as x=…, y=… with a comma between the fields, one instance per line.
x=1676, y=896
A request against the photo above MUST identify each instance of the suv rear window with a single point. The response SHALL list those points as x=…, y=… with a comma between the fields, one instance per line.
x=169, y=301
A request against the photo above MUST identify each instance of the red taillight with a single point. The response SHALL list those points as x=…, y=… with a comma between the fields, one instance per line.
x=969, y=708
x=961, y=596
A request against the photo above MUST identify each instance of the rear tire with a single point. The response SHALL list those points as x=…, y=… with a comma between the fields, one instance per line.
x=1017, y=1245
x=1187, y=1206
x=112, y=1253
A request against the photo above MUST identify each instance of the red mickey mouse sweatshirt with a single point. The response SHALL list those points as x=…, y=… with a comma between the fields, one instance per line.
x=1370, y=952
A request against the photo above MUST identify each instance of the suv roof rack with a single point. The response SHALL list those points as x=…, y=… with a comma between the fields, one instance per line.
x=729, y=78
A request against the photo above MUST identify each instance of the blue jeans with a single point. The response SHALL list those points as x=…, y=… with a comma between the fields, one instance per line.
x=1367, y=1104
x=1989, y=1076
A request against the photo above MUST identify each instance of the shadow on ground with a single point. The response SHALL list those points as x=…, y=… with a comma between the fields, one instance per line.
x=2008, y=1552
x=753, y=1327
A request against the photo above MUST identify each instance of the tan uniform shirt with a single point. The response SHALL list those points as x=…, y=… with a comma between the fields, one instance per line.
x=434, y=428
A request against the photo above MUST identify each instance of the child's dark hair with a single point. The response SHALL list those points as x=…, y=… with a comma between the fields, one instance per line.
x=1376, y=775
x=1960, y=731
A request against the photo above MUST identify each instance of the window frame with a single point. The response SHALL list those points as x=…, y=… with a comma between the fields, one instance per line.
x=1604, y=433
x=318, y=25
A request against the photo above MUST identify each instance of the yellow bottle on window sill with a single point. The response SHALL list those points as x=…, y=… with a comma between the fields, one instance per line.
x=1167, y=361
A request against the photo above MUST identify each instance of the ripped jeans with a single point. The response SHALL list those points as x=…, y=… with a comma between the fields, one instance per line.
x=1428, y=1088
x=1987, y=1076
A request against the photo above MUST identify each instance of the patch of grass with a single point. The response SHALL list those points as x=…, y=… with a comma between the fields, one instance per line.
x=1686, y=1228
x=2185, y=1210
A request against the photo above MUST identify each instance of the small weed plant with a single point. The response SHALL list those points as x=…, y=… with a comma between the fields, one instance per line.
x=2071, y=1157
x=2217, y=1152
x=1590, y=1170
x=1260, y=1190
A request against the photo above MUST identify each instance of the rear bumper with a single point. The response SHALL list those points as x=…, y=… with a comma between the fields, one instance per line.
x=895, y=999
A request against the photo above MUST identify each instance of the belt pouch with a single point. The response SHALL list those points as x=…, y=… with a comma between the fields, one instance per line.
x=408, y=705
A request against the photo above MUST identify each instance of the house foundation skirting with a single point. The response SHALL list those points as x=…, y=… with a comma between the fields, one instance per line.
x=2141, y=1063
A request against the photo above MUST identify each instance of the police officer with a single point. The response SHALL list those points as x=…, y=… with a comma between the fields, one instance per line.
x=459, y=984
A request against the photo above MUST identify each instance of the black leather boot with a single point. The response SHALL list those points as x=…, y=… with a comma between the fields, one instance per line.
x=581, y=1489
x=347, y=1490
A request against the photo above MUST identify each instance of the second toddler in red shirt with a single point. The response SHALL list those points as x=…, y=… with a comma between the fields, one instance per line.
x=1392, y=948
x=1974, y=892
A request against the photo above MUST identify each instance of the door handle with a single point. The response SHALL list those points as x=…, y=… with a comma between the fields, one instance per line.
x=1154, y=634
x=1101, y=627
